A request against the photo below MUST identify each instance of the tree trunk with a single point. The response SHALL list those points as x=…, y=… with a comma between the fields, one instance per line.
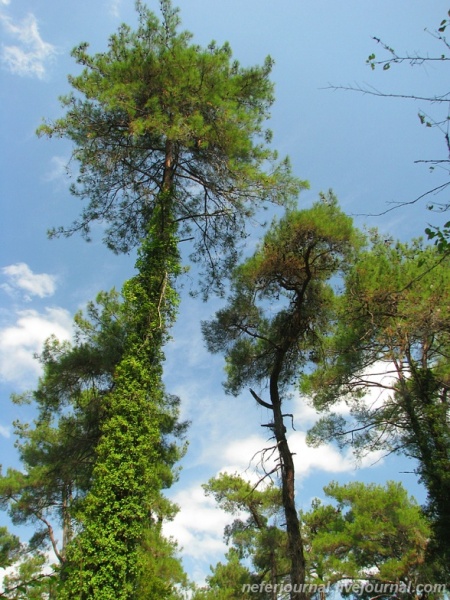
x=297, y=572
x=67, y=529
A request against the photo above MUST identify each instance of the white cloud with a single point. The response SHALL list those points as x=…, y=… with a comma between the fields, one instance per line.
x=5, y=2
x=245, y=455
x=20, y=341
x=326, y=458
x=199, y=525
x=4, y=431
x=21, y=277
x=30, y=54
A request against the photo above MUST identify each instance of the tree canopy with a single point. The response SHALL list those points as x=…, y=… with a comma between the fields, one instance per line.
x=364, y=539
x=371, y=534
x=155, y=100
x=391, y=337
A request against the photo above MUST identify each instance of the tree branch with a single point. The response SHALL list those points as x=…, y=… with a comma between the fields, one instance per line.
x=372, y=91
x=259, y=401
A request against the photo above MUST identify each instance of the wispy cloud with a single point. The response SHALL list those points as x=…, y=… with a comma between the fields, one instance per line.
x=59, y=169
x=114, y=8
x=21, y=277
x=21, y=340
x=30, y=54
x=249, y=453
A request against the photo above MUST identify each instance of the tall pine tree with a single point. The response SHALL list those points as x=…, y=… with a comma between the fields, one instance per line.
x=157, y=111
x=171, y=146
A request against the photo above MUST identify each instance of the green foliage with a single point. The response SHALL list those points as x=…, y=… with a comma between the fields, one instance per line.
x=9, y=548
x=370, y=534
x=391, y=334
x=33, y=579
x=160, y=572
x=239, y=497
x=58, y=451
x=258, y=551
x=154, y=88
x=281, y=297
x=227, y=581
x=234, y=494
x=105, y=441
x=441, y=236
x=123, y=508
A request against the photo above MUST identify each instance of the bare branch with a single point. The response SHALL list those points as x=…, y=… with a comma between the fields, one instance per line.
x=292, y=419
x=261, y=402
x=435, y=190
x=372, y=91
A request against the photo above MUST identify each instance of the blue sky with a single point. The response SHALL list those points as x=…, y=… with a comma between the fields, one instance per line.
x=361, y=146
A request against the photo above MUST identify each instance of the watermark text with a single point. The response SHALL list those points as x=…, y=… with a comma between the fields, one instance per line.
x=352, y=587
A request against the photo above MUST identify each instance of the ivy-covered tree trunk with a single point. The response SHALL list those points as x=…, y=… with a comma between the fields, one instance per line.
x=130, y=471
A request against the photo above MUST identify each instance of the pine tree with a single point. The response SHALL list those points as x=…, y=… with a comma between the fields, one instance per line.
x=157, y=111
x=171, y=146
x=391, y=335
x=281, y=303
